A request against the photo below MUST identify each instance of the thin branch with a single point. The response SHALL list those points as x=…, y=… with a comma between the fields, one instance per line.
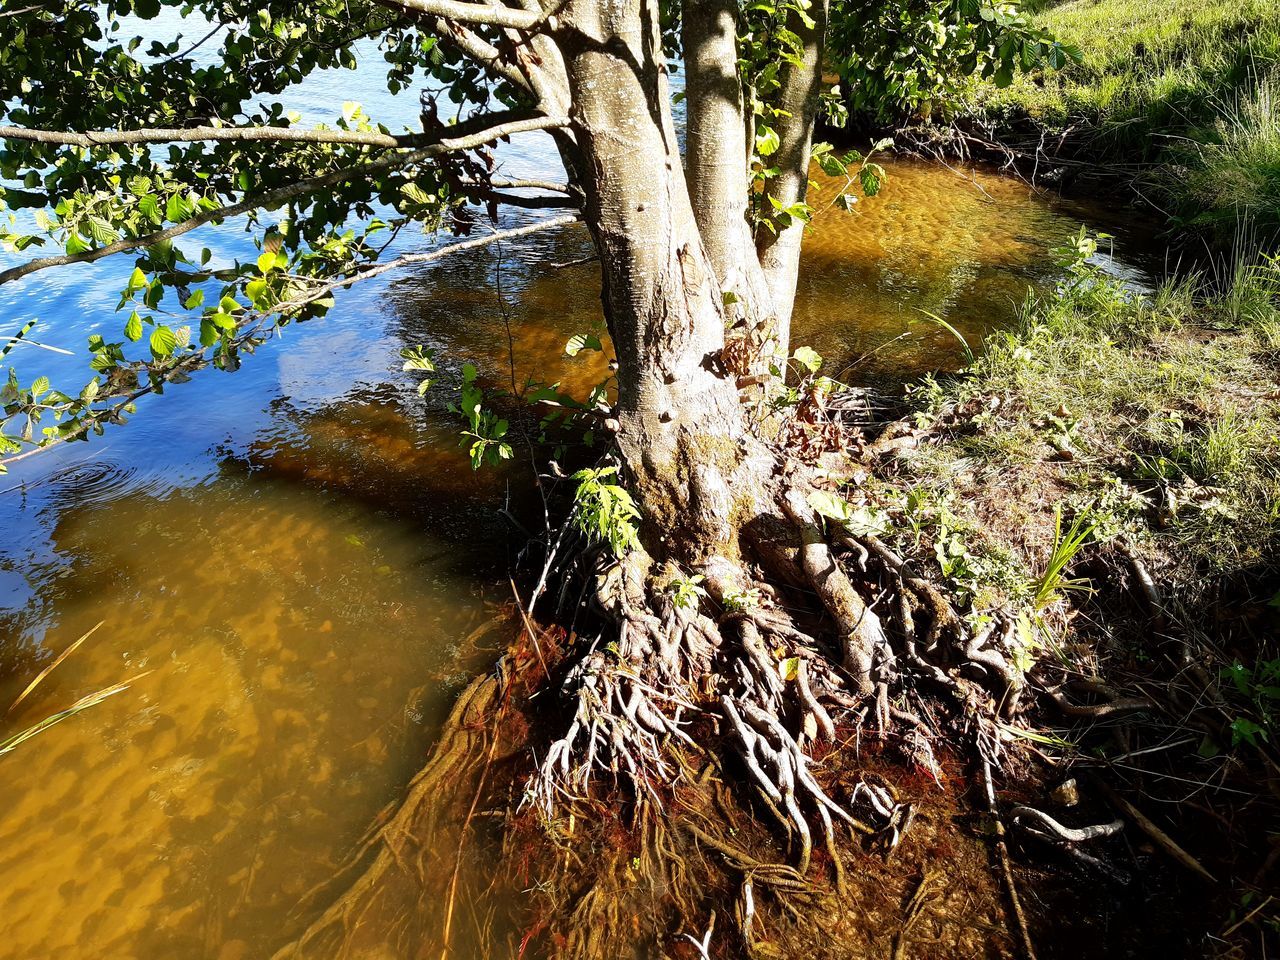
x=461, y=12
x=319, y=293
x=282, y=195
x=534, y=203
x=195, y=46
x=501, y=183
x=102, y=138
x=483, y=194
x=33, y=8
x=483, y=53
x=34, y=343
x=195, y=361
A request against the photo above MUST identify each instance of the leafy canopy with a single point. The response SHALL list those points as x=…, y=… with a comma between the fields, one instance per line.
x=322, y=203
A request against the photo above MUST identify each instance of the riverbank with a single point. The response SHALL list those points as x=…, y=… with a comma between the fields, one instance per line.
x=1174, y=99
x=1110, y=471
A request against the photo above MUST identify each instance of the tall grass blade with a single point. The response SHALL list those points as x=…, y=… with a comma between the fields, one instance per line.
x=13, y=741
x=51, y=667
x=964, y=344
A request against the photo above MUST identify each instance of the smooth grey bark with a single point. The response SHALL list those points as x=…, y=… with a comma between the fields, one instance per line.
x=716, y=150
x=678, y=409
x=801, y=85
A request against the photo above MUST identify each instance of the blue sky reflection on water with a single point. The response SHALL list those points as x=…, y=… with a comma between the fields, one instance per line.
x=182, y=438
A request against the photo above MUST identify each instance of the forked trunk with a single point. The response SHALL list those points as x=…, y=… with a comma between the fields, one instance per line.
x=682, y=428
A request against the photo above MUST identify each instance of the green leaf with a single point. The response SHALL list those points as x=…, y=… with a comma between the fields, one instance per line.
x=582, y=341
x=163, y=341
x=75, y=244
x=149, y=207
x=256, y=291
x=133, y=328
x=101, y=231
x=808, y=358
x=208, y=333
x=767, y=141
x=830, y=505
x=176, y=208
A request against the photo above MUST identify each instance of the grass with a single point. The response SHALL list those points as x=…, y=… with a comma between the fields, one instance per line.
x=1186, y=87
x=1111, y=432
x=1158, y=416
x=10, y=740
x=1149, y=67
x=1233, y=176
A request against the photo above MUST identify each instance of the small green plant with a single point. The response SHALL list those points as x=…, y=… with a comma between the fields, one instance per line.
x=687, y=592
x=422, y=360
x=860, y=520
x=1066, y=546
x=742, y=601
x=486, y=430
x=1259, y=686
x=604, y=510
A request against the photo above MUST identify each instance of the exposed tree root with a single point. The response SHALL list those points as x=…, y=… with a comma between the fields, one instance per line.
x=760, y=679
x=409, y=859
x=721, y=701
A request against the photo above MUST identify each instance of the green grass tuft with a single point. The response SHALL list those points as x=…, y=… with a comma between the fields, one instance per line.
x=1180, y=92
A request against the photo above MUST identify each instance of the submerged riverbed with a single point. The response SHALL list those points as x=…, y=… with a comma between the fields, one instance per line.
x=295, y=565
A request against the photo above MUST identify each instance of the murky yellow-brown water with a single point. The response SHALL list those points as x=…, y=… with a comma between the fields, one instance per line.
x=298, y=651
x=300, y=610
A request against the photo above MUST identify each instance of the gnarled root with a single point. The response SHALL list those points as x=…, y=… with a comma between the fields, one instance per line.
x=766, y=686
x=631, y=696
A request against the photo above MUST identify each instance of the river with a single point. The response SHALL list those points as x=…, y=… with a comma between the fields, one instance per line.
x=295, y=564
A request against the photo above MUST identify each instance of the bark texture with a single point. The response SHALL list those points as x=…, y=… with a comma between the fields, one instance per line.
x=680, y=420
x=801, y=84
x=716, y=158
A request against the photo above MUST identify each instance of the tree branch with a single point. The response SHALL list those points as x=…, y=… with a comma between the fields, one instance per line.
x=194, y=361
x=281, y=195
x=461, y=12
x=483, y=53
x=410, y=259
x=491, y=190
x=33, y=8
x=101, y=138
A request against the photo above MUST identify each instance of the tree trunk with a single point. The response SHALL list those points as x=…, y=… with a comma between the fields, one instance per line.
x=798, y=98
x=716, y=158
x=682, y=428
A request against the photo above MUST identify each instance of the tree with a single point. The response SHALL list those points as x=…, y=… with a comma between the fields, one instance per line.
x=715, y=502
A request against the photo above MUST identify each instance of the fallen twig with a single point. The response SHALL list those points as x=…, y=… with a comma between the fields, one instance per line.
x=1002, y=849
x=1162, y=839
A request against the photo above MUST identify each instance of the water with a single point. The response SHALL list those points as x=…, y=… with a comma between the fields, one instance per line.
x=296, y=566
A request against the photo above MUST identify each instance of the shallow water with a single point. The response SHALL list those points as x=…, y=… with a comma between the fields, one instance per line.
x=292, y=563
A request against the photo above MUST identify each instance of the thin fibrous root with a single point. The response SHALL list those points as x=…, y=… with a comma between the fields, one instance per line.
x=616, y=726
